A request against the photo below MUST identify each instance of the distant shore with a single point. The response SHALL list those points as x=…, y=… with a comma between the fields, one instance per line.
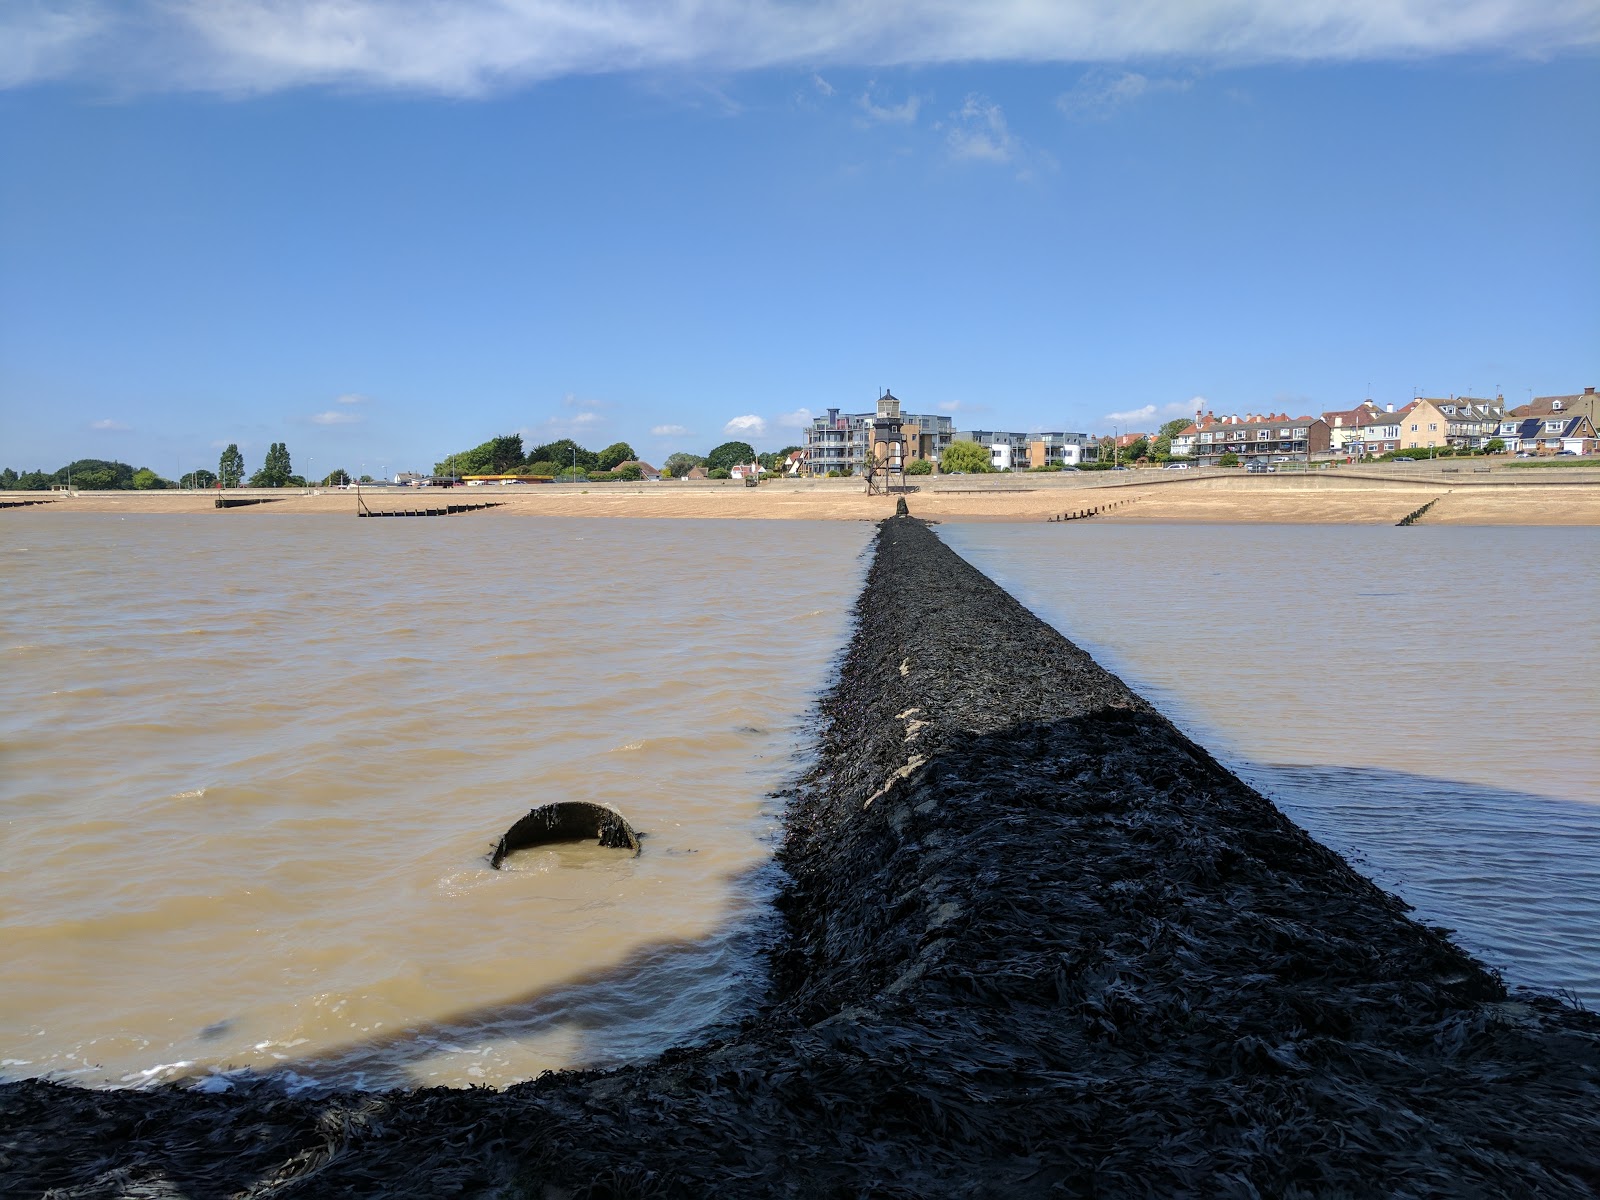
x=1358, y=496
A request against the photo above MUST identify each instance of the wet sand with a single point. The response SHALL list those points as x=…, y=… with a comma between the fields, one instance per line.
x=1037, y=943
x=1505, y=498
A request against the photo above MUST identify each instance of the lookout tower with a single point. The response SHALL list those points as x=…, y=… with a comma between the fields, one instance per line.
x=886, y=464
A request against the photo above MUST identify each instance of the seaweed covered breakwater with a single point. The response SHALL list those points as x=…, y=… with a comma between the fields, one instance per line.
x=1038, y=943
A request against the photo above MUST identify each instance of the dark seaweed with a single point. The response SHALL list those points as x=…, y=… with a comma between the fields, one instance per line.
x=1039, y=943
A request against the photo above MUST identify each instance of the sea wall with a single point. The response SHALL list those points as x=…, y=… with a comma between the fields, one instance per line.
x=1038, y=943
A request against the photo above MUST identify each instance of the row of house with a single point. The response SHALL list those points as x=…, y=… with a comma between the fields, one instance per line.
x=839, y=441
x=1546, y=425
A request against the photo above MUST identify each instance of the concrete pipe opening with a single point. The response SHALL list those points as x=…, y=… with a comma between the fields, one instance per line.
x=567, y=821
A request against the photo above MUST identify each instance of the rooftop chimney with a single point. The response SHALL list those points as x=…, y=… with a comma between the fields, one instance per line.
x=1588, y=391
x=1388, y=408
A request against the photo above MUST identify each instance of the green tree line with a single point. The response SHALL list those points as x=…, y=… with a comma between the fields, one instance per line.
x=566, y=459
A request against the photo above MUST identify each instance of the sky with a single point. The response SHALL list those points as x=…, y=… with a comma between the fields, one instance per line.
x=380, y=232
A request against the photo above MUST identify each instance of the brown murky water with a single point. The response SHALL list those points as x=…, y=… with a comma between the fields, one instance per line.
x=1423, y=700
x=251, y=768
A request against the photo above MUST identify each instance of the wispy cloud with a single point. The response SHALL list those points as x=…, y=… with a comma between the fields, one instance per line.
x=586, y=403
x=821, y=84
x=110, y=426
x=353, y=398
x=1148, y=412
x=1100, y=93
x=798, y=419
x=961, y=406
x=475, y=47
x=336, y=416
x=904, y=113
x=978, y=131
x=749, y=425
x=668, y=430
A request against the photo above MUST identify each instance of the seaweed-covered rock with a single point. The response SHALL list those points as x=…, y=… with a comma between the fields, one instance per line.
x=1038, y=943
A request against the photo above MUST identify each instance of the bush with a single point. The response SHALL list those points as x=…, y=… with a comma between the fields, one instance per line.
x=1495, y=446
x=1230, y=459
x=966, y=456
x=719, y=473
x=1047, y=467
x=919, y=466
x=1094, y=466
x=629, y=473
x=835, y=474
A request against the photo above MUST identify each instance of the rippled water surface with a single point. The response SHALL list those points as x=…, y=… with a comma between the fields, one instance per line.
x=1423, y=700
x=252, y=763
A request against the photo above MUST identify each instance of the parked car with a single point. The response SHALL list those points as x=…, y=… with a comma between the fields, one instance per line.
x=1566, y=454
x=1524, y=454
x=1403, y=458
x=1180, y=466
x=1257, y=467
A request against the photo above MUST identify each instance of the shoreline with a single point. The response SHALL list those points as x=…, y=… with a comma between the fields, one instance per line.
x=1038, y=941
x=1505, y=497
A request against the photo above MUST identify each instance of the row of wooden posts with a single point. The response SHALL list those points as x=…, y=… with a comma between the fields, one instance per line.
x=448, y=510
x=1084, y=513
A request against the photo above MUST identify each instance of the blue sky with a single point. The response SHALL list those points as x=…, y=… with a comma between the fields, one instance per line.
x=381, y=232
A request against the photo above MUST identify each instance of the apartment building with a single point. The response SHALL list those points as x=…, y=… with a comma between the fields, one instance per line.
x=1265, y=439
x=1019, y=451
x=839, y=441
x=1344, y=428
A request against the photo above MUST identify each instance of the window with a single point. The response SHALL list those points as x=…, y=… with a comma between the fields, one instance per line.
x=1300, y=433
x=1413, y=430
x=1431, y=428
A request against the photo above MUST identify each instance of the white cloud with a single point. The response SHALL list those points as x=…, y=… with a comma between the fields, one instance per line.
x=353, y=398
x=980, y=132
x=749, y=426
x=1100, y=93
x=581, y=402
x=110, y=426
x=473, y=47
x=1133, y=415
x=798, y=419
x=334, y=417
x=668, y=430
x=821, y=84
x=961, y=406
x=904, y=113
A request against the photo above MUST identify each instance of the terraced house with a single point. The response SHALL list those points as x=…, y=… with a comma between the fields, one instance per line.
x=1256, y=439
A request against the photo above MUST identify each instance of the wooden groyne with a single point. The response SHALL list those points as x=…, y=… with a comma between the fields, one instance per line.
x=444, y=510
x=1037, y=943
x=1082, y=514
x=247, y=501
x=1411, y=518
x=23, y=503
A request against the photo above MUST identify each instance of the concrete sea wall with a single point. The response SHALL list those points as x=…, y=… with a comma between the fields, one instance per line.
x=1038, y=943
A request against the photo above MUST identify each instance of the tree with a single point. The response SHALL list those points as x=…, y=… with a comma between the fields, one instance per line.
x=8, y=479
x=966, y=456
x=231, y=469
x=1495, y=446
x=201, y=478
x=631, y=472
x=544, y=468
x=95, y=475
x=494, y=457
x=276, y=471
x=719, y=473
x=680, y=463
x=1230, y=459
x=919, y=466
x=1137, y=449
x=564, y=452
x=337, y=477
x=614, y=455
x=146, y=480
x=729, y=454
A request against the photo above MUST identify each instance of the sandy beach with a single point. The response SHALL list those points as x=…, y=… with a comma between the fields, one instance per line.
x=1501, y=497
